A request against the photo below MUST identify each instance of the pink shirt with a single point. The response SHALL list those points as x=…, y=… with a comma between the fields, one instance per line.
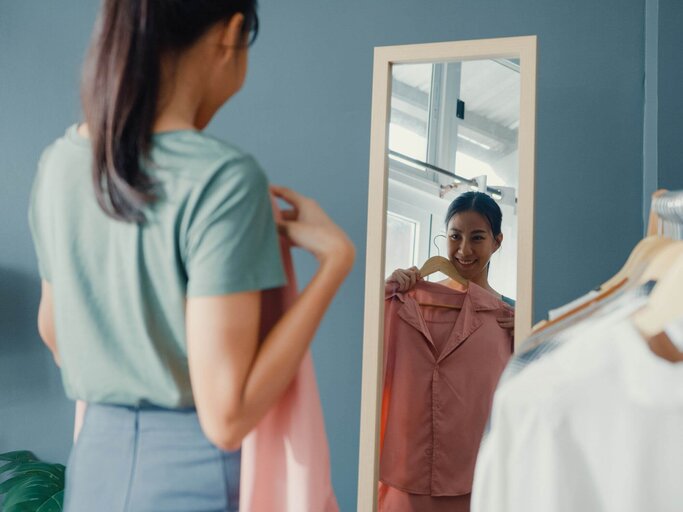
x=286, y=459
x=441, y=367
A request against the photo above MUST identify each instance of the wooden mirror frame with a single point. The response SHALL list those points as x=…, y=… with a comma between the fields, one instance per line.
x=522, y=48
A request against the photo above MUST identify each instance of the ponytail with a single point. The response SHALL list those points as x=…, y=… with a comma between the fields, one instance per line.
x=121, y=83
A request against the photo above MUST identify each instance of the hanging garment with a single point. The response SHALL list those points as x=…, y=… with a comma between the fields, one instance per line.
x=285, y=459
x=441, y=368
x=612, y=309
x=608, y=310
x=565, y=308
x=594, y=426
x=390, y=499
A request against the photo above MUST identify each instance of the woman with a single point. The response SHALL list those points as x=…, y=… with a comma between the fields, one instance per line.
x=154, y=241
x=441, y=366
x=473, y=224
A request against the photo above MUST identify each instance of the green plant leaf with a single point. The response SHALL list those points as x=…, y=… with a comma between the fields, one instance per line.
x=30, y=493
x=33, y=485
x=54, y=504
x=10, y=466
x=43, y=469
x=11, y=482
x=18, y=455
x=22, y=507
x=16, y=458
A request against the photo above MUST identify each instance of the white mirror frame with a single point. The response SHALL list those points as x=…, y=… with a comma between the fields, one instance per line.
x=522, y=48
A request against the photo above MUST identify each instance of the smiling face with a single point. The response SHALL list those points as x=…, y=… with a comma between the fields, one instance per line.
x=471, y=244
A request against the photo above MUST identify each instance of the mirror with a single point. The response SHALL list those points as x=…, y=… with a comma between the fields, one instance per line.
x=451, y=193
x=453, y=130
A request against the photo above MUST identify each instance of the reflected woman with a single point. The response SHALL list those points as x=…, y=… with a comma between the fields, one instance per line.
x=474, y=234
x=444, y=350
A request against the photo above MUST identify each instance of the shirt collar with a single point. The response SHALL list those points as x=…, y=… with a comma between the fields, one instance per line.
x=481, y=299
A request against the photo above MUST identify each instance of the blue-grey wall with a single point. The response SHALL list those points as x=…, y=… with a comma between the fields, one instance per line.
x=305, y=112
x=651, y=109
x=41, y=44
x=670, y=100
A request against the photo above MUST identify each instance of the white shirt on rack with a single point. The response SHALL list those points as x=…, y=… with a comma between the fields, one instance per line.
x=559, y=311
x=596, y=426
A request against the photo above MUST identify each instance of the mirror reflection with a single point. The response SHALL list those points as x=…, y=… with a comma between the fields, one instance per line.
x=450, y=270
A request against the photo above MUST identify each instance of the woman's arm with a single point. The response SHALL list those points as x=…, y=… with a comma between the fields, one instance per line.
x=234, y=379
x=46, y=321
x=78, y=418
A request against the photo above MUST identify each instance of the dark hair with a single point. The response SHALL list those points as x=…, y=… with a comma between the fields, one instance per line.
x=478, y=202
x=121, y=83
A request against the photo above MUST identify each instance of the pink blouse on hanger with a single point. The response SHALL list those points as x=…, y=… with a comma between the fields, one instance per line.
x=440, y=373
x=285, y=459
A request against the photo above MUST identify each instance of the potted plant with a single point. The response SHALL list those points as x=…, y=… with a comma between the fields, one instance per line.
x=29, y=484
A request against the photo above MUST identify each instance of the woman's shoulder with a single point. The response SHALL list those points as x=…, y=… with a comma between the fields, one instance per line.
x=198, y=145
x=206, y=160
x=184, y=144
x=510, y=302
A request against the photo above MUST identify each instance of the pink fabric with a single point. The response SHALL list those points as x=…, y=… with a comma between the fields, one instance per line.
x=439, y=380
x=285, y=459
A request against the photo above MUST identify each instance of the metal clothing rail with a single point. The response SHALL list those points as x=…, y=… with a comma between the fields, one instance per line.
x=669, y=210
x=415, y=161
x=669, y=206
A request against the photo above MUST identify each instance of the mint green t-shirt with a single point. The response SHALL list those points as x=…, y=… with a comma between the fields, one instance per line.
x=119, y=288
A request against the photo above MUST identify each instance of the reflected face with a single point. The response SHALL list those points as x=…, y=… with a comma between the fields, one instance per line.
x=471, y=243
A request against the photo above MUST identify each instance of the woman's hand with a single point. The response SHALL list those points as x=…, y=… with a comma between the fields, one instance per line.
x=404, y=278
x=307, y=226
x=508, y=323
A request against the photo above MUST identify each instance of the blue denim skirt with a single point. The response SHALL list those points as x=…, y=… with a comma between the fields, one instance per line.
x=130, y=459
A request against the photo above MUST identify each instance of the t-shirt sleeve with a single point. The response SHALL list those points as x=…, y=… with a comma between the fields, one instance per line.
x=232, y=241
x=36, y=219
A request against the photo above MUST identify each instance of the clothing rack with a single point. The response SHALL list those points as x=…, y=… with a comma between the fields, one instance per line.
x=396, y=154
x=669, y=210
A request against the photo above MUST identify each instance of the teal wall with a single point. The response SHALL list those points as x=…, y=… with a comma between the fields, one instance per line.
x=305, y=112
x=670, y=95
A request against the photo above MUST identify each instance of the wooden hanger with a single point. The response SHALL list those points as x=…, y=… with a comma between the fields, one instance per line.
x=643, y=252
x=662, y=262
x=598, y=298
x=443, y=265
x=539, y=325
x=653, y=221
x=665, y=304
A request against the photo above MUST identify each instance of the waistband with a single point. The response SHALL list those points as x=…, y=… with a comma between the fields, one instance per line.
x=144, y=418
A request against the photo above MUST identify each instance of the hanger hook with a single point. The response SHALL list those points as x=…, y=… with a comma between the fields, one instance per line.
x=438, y=253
